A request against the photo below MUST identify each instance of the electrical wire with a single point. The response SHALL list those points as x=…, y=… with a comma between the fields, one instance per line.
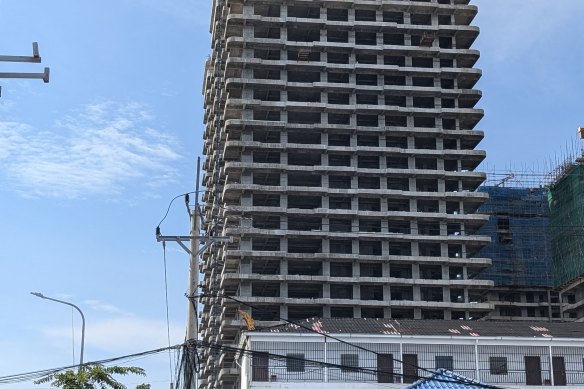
x=273, y=356
x=166, y=303
x=22, y=377
x=169, y=205
x=324, y=334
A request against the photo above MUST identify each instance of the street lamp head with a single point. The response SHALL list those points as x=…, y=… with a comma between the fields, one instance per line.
x=40, y=295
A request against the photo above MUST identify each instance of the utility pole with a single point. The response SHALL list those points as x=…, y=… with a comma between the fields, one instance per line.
x=35, y=58
x=194, y=251
x=195, y=215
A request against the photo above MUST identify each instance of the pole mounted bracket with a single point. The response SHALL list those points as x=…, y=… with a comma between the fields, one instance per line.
x=207, y=240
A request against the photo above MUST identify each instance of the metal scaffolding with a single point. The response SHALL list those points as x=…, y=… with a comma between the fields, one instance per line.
x=519, y=230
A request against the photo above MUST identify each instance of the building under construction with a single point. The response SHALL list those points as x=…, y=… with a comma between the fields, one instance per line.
x=520, y=249
x=566, y=201
x=340, y=142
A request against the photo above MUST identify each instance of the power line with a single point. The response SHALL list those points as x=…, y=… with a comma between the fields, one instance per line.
x=22, y=377
x=169, y=205
x=341, y=366
x=166, y=303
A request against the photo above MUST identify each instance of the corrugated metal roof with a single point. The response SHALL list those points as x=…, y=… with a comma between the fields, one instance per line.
x=447, y=380
x=434, y=328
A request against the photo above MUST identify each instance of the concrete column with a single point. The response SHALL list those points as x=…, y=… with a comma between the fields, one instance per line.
x=325, y=224
x=386, y=293
x=384, y=243
x=384, y=226
x=246, y=223
x=441, y=186
x=245, y=289
x=356, y=292
x=443, y=229
x=417, y=313
x=383, y=180
x=246, y=200
x=245, y=266
x=412, y=184
x=444, y=249
x=326, y=246
x=416, y=271
x=355, y=248
x=326, y=269
x=245, y=244
x=385, y=269
x=415, y=247
x=351, y=40
x=386, y=312
x=445, y=270
x=325, y=204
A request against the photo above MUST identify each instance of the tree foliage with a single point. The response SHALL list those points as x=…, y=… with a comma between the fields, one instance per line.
x=91, y=377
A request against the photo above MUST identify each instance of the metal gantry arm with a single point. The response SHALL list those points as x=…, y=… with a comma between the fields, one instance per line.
x=40, y=76
x=35, y=58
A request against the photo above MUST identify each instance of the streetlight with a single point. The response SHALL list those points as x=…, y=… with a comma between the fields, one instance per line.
x=40, y=295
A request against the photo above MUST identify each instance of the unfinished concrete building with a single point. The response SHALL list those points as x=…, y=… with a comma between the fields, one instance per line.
x=340, y=146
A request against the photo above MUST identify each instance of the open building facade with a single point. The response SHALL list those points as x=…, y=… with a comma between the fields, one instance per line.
x=340, y=142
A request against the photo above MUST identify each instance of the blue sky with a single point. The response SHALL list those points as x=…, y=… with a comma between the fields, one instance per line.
x=90, y=161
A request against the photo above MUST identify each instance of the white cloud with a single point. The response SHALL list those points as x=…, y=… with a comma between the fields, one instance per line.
x=100, y=306
x=99, y=150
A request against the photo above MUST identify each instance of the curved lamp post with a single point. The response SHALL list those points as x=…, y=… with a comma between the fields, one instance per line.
x=40, y=295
